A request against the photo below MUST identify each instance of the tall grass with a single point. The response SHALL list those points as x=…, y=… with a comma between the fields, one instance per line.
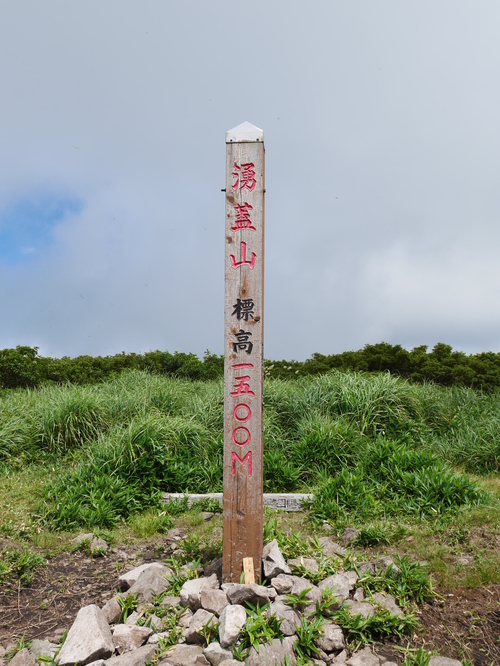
x=368, y=445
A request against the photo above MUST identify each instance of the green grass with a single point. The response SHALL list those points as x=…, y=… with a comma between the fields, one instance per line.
x=368, y=446
x=18, y=565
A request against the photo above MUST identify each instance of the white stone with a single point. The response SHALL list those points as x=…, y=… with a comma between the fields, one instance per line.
x=151, y=581
x=244, y=132
x=444, y=661
x=88, y=639
x=360, y=608
x=128, y=637
x=339, y=586
x=127, y=579
x=273, y=653
x=290, y=618
x=112, y=610
x=388, y=602
x=191, y=590
x=213, y=600
x=232, y=621
x=182, y=655
x=332, y=639
x=216, y=654
x=43, y=649
x=364, y=657
x=308, y=563
x=273, y=561
x=137, y=657
x=199, y=619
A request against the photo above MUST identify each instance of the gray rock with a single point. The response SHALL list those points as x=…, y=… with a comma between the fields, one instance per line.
x=213, y=600
x=381, y=564
x=366, y=568
x=256, y=594
x=332, y=639
x=132, y=618
x=150, y=581
x=199, y=619
x=339, y=585
x=129, y=637
x=360, y=608
x=307, y=562
x=112, y=610
x=170, y=601
x=23, y=658
x=88, y=639
x=331, y=548
x=185, y=618
x=154, y=639
x=230, y=662
x=273, y=561
x=98, y=662
x=232, y=621
x=352, y=577
x=127, y=579
x=98, y=546
x=299, y=584
x=43, y=648
x=441, y=661
x=81, y=538
x=273, y=653
x=215, y=568
x=191, y=590
x=182, y=655
x=57, y=634
x=134, y=658
x=282, y=584
x=201, y=660
x=290, y=618
x=388, y=602
x=364, y=657
x=207, y=515
x=154, y=623
x=359, y=595
x=340, y=658
x=349, y=536
x=216, y=654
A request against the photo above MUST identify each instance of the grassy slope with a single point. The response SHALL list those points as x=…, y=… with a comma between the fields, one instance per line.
x=377, y=451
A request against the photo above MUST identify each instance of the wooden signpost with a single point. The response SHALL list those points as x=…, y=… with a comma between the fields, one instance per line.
x=243, y=353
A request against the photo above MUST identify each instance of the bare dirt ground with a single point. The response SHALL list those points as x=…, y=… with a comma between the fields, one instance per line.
x=466, y=625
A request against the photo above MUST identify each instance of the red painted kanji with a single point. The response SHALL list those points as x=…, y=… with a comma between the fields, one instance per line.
x=242, y=387
x=244, y=176
x=243, y=220
x=244, y=260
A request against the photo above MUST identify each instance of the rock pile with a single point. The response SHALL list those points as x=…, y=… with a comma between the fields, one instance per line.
x=98, y=637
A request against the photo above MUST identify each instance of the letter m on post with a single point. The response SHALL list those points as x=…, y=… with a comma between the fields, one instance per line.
x=235, y=457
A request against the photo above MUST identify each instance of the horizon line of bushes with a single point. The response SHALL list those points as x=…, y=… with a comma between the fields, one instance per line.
x=22, y=367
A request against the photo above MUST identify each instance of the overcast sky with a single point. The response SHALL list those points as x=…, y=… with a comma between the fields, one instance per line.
x=381, y=124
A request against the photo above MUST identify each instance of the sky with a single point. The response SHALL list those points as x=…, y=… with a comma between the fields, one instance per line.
x=381, y=125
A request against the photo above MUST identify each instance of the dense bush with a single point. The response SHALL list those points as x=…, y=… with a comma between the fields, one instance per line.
x=23, y=367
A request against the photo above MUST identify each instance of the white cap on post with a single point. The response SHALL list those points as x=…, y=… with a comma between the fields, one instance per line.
x=243, y=133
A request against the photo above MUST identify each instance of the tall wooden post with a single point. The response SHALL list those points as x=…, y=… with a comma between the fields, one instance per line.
x=243, y=350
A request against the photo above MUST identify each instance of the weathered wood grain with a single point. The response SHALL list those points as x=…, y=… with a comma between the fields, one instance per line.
x=243, y=356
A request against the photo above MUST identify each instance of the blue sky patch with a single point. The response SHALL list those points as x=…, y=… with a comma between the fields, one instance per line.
x=26, y=226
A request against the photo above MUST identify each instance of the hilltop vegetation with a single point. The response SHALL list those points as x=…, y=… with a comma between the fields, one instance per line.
x=22, y=367
x=368, y=445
